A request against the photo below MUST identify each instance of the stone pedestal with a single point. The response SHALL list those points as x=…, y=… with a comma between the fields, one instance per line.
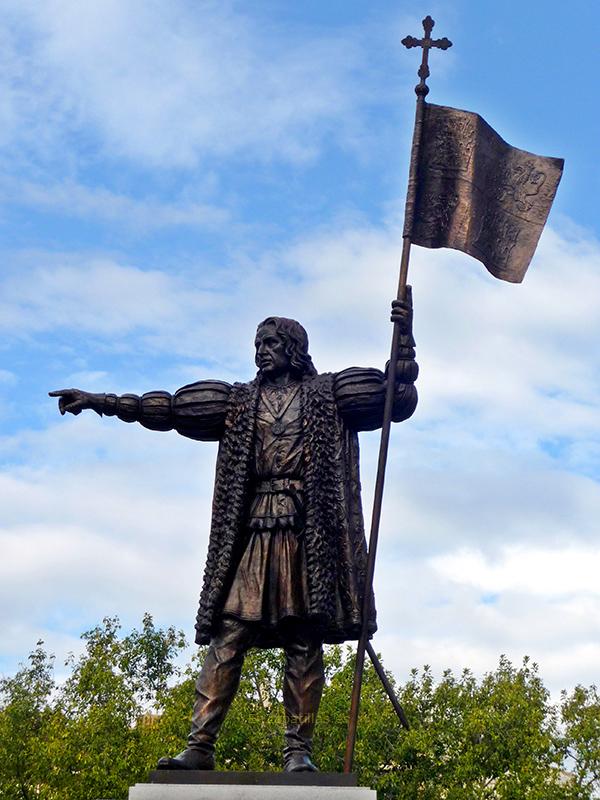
x=192, y=785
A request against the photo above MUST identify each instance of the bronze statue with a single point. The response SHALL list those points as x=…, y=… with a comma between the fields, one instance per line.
x=287, y=552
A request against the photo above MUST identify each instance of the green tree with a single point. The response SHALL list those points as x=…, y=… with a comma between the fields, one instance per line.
x=87, y=739
x=26, y=720
x=490, y=739
x=114, y=688
x=125, y=704
x=580, y=714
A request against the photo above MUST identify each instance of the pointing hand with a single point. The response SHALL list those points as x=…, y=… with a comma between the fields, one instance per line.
x=72, y=400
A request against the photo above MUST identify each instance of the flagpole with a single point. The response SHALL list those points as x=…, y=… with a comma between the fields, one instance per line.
x=421, y=91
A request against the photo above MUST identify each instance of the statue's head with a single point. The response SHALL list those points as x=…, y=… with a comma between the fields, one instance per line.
x=281, y=345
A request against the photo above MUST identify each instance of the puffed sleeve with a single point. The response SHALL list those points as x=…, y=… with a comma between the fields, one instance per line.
x=199, y=410
x=196, y=410
x=360, y=397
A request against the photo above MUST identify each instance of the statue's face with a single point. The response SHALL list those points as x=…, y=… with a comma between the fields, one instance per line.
x=271, y=358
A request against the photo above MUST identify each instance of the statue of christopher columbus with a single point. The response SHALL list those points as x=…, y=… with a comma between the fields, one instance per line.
x=287, y=553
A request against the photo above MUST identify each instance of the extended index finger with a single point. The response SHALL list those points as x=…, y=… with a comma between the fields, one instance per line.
x=59, y=392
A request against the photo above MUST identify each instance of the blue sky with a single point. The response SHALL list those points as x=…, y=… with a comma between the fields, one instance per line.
x=172, y=173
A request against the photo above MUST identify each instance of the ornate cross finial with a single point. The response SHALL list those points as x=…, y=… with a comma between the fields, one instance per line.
x=426, y=43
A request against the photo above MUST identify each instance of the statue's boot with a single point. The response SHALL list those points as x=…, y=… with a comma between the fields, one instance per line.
x=188, y=759
x=303, y=683
x=215, y=689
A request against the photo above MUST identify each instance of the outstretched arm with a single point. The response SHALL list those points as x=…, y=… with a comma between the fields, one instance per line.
x=197, y=410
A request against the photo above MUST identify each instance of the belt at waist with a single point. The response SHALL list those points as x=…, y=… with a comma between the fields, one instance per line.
x=279, y=485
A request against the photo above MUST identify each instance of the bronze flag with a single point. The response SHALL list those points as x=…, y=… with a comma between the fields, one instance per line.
x=478, y=194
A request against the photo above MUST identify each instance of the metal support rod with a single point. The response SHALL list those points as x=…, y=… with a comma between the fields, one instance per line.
x=387, y=686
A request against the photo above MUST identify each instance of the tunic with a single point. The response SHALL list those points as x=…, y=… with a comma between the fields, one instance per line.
x=269, y=585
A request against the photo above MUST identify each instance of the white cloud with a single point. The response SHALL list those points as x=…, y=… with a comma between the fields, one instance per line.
x=168, y=84
x=95, y=295
x=497, y=350
x=428, y=618
x=99, y=518
x=442, y=510
x=508, y=373
x=535, y=570
x=489, y=535
x=102, y=205
x=7, y=378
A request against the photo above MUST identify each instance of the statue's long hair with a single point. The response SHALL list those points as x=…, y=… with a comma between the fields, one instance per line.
x=296, y=343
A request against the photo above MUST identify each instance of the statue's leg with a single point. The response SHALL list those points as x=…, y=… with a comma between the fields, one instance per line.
x=216, y=686
x=218, y=681
x=303, y=683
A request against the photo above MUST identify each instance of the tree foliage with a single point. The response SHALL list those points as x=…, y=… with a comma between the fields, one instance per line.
x=125, y=703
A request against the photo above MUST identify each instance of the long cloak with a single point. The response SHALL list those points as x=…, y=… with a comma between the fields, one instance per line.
x=334, y=537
